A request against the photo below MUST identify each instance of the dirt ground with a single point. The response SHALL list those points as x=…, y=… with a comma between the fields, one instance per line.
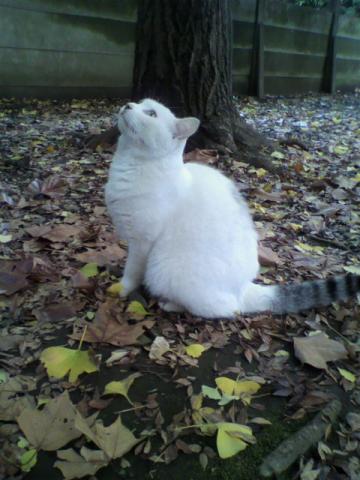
x=59, y=267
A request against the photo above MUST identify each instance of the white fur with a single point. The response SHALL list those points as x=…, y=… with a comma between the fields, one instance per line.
x=191, y=238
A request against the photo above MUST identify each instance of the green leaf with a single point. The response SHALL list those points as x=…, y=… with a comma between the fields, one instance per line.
x=137, y=309
x=347, y=375
x=89, y=270
x=28, y=460
x=212, y=393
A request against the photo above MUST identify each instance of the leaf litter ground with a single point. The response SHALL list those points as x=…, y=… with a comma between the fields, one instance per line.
x=156, y=374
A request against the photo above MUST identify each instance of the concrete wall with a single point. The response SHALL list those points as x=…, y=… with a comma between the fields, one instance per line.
x=65, y=48
x=80, y=48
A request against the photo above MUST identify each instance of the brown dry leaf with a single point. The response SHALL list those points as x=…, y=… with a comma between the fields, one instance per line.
x=73, y=465
x=11, y=282
x=268, y=257
x=206, y=156
x=115, y=440
x=318, y=349
x=81, y=282
x=51, y=187
x=55, y=313
x=52, y=427
x=111, y=327
x=111, y=254
x=58, y=233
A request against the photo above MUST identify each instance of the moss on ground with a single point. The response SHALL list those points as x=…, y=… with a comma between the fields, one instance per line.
x=244, y=466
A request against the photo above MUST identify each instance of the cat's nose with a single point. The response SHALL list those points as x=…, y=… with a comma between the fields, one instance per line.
x=129, y=106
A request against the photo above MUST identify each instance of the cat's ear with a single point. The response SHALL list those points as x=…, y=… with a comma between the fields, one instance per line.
x=185, y=127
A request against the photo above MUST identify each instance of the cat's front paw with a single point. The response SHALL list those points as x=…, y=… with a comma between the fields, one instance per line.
x=127, y=286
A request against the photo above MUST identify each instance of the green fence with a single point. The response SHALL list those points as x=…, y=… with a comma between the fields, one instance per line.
x=84, y=48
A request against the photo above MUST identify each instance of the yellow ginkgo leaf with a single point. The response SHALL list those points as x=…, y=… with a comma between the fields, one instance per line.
x=89, y=270
x=137, y=309
x=233, y=438
x=115, y=289
x=347, y=375
x=60, y=360
x=121, y=387
x=195, y=350
x=226, y=385
x=248, y=387
x=309, y=248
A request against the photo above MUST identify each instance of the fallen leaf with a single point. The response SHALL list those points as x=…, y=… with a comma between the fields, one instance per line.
x=268, y=257
x=278, y=155
x=159, y=346
x=89, y=270
x=347, y=375
x=59, y=361
x=241, y=389
x=52, y=427
x=55, y=313
x=115, y=289
x=110, y=255
x=137, y=310
x=121, y=387
x=355, y=269
x=11, y=283
x=59, y=233
x=232, y=438
x=73, y=465
x=115, y=440
x=110, y=326
x=210, y=392
x=11, y=404
x=317, y=350
x=195, y=350
x=51, y=187
x=202, y=156
x=28, y=460
x=5, y=238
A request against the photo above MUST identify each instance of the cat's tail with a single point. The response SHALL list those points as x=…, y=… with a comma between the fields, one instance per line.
x=295, y=297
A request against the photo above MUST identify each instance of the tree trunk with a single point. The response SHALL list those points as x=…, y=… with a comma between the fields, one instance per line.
x=183, y=59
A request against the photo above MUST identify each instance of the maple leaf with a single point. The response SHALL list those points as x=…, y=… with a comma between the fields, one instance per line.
x=110, y=326
x=115, y=440
x=52, y=427
x=73, y=465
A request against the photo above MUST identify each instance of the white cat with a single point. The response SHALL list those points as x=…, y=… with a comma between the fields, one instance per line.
x=191, y=239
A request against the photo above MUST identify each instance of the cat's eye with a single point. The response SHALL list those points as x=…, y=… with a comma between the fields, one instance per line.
x=151, y=113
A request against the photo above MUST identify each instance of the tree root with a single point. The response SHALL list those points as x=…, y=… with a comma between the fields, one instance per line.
x=291, y=449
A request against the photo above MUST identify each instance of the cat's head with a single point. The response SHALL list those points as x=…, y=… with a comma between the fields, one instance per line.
x=151, y=127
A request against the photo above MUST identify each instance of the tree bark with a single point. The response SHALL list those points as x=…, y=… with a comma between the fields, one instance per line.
x=183, y=58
